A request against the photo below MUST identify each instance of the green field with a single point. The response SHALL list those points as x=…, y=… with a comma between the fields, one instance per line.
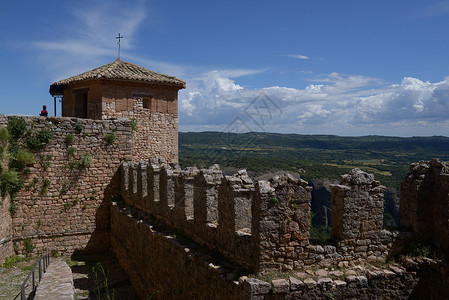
x=312, y=156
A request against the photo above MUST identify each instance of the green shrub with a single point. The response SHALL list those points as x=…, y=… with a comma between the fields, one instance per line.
x=133, y=125
x=28, y=245
x=86, y=160
x=71, y=150
x=4, y=135
x=69, y=138
x=21, y=159
x=12, y=208
x=109, y=138
x=13, y=148
x=67, y=205
x=10, y=182
x=79, y=127
x=16, y=126
x=319, y=234
x=40, y=140
x=64, y=189
x=45, y=186
x=10, y=261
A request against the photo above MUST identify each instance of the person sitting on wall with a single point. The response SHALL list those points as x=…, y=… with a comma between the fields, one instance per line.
x=44, y=112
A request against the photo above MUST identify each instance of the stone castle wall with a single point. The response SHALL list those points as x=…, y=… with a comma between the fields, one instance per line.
x=6, y=235
x=162, y=264
x=64, y=205
x=263, y=225
x=425, y=201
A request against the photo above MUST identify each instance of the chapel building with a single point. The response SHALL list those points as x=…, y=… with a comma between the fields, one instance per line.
x=125, y=90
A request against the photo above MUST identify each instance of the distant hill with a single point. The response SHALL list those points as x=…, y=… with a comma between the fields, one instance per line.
x=312, y=156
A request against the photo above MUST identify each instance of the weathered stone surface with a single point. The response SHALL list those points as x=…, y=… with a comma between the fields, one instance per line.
x=425, y=200
x=64, y=204
x=321, y=273
x=310, y=283
x=280, y=286
x=256, y=287
x=295, y=284
x=56, y=283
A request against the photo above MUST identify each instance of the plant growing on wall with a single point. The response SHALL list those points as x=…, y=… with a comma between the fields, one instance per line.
x=10, y=182
x=84, y=162
x=45, y=186
x=69, y=138
x=40, y=140
x=16, y=127
x=109, y=138
x=12, y=208
x=20, y=159
x=28, y=246
x=45, y=161
x=71, y=150
x=79, y=127
x=133, y=125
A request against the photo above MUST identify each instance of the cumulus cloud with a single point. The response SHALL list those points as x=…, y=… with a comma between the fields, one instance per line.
x=333, y=104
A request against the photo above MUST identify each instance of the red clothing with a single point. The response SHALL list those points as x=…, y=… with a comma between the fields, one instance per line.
x=44, y=112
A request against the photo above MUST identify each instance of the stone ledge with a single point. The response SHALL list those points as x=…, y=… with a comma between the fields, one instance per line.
x=56, y=283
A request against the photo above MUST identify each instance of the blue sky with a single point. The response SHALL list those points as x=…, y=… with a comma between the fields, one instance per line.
x=308, y=67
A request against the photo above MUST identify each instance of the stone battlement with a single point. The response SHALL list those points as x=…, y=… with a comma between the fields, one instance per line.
x=265, y=224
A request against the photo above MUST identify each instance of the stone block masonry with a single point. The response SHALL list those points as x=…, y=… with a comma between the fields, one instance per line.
x=357, y=214
x=425, y=201
x=64, y=203
x=263, y=225
x=6, y=235
x=165, y=265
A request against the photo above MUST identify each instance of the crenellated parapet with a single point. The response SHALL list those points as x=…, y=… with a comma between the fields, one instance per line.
x=281, y=214
x=425, y=201
x=260, y=225
x=357, y=215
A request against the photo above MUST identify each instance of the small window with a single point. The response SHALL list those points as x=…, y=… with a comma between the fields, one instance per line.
x=147, y=103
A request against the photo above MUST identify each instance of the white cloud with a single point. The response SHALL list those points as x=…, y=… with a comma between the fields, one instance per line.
x=298, y=56
x=333, y=104
x=90, y=36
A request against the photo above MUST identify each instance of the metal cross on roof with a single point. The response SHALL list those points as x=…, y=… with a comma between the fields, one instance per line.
x=119, y=37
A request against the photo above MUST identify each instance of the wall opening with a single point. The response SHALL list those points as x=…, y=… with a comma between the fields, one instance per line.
x=147, y=103
x=81, y=97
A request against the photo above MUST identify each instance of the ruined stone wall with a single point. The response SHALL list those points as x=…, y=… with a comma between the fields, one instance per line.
x=64, y=204
x=357, y=214
x=6, y=248
x=281, y=226
x=263, y=225
x=425, y=201
x=165, y=265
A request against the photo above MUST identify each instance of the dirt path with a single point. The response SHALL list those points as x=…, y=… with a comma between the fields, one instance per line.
x=92, y=274
x=11, y=278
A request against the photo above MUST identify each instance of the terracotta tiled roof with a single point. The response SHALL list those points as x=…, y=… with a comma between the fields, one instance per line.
x=123, y=70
